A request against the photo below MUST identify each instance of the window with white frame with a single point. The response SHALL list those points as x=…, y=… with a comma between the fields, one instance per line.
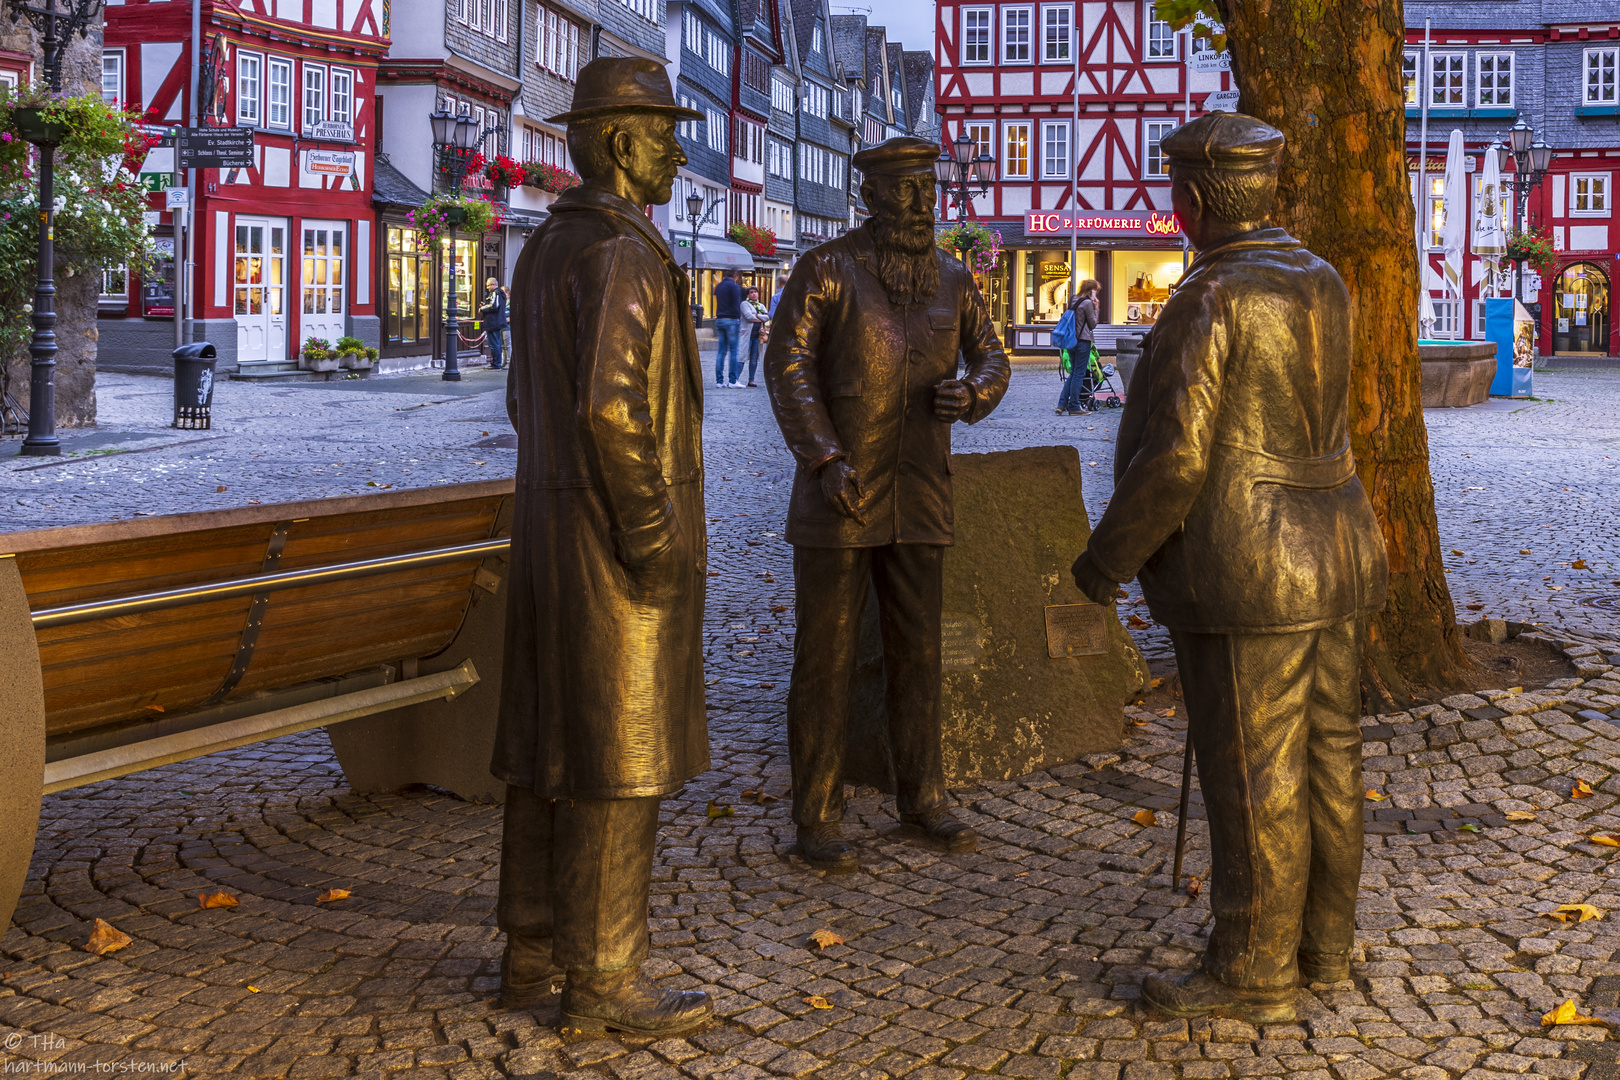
x=500, y=16
x=340, y=103
x=278, y=93
x=1154, y=161
x=817, y=100
x=1409, y=75
x=644, y=8
x=1589, y=195
x=780, y=160
x=557, y=44
x=1054, y=149
x=781, y=95
x=1447, y=80
x=112, y=76
x=1600, y=76
x=1479, y=319
x=249, y=79
x=1015, y=35
x=1057, y=33
x=1161, y=38
x=1435, y=210
x=1445, y=319
x=115, y=282
x=816, y=43
x=1493, y=80
x=1015, y=150
x=718, y=130
x=975, y=35
x=314, y=95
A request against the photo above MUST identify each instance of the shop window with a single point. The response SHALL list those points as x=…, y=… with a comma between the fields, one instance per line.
x=1581, y=310
x=410, y=277
x=1147, y=278
x=1589, y=195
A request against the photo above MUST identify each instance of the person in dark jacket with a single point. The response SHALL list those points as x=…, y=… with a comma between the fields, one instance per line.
x=493, y=315
x=862, y=373
x=1236, y=500
x=728, y=301
x=601, y=710
x=1084, y=307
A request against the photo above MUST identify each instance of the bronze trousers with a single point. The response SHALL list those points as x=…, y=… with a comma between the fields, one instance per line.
x=830, y=589
x=1274, y=721
x=578, y=871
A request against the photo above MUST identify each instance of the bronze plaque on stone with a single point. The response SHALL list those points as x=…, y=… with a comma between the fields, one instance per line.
x=961, y=644
x=1076, y=630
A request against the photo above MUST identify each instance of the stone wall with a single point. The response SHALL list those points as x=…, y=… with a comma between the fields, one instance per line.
x=76, y=332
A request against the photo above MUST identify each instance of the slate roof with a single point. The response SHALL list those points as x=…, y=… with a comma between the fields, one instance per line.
x=918, y=69
x=849, y=47
x=390, y=187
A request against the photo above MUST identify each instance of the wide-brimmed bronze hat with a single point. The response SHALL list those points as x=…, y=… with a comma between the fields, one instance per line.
x=616, y=84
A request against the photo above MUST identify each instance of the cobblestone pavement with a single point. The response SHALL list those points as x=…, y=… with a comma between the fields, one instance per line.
x=1023, y=959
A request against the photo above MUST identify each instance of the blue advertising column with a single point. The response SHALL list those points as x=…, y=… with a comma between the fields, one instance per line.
x=1509, y=325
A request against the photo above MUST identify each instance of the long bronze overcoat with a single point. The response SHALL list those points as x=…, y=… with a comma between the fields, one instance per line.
x=1235, y=492
x=852, y=376
x=602, y=694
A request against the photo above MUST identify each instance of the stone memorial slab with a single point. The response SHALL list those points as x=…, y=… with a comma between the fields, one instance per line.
x=1034, y=673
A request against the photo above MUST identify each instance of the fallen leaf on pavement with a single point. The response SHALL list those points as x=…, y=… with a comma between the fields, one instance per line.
x=1194, y=887
x=778, y=608
x=1138, y=721
x=1136, y=622
x=221, y=487
x=1575, y=913
x=1475, y=607
x=254, y=989
x=1581, y=790
x=1578, y=564
x=1167, y=713
x=1145, y=817
x=1470, y=827
x=1524, y=551
x=1375, y=795
x=1454, y=551
x=1567, y=1013
x=1121, y=592
x=816, y=1001
x=1606, y=841
x=106, y=938
x=219, y=899
x=759, y=796
x=1520, y=815
x=332, y=894
x=716, y=810
x=825, y=938
x=1155, y=684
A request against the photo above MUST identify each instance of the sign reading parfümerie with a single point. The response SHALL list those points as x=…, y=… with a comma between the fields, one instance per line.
x=1101, y=223
x=215, y=148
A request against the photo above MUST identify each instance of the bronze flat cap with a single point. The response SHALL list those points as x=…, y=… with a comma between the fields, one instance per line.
x=618, y=84
x=900, y=156
x=1224, y=141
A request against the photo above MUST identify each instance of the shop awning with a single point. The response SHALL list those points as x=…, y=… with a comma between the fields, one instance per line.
x=717, y=254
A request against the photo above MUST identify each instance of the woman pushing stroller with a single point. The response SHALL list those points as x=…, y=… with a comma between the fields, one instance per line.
x=1083, y=308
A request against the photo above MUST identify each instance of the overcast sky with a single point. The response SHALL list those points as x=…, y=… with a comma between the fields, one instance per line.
x=910, y=22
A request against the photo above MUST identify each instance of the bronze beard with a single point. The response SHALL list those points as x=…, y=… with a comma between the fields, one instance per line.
x=906, y=263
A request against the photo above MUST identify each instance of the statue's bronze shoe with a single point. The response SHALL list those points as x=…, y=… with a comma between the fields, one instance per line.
x=1323, y=967
x=528, y=972
x=941, y=826
x=824, y=847
x=627, y=1001
x=1198, y=994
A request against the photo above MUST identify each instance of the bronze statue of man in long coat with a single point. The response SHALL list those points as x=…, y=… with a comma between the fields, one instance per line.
x=602, y=696
x=1236, y=499
x=862, y=373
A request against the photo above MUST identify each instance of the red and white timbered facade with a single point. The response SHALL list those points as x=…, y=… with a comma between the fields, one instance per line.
x=282, y=249
x=1005, y=75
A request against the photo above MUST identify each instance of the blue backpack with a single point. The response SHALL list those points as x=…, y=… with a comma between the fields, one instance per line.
x=1063, y=334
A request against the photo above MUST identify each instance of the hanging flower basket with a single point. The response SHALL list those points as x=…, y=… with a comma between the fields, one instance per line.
x=508, y=172
x=978, y=245
x=433, y=220
x=35, y=125
x=1533, y=248
x=756, y=238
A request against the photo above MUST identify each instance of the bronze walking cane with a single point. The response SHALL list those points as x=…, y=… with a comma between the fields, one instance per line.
x=1181, y=820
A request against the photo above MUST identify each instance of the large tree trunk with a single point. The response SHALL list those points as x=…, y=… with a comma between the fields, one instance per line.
x=1327, y=74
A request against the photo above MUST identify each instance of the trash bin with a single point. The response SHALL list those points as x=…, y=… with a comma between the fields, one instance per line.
x=1127, y=351
x=193, y=385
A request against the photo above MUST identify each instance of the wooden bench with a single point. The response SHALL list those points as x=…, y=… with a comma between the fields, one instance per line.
x=137, y=643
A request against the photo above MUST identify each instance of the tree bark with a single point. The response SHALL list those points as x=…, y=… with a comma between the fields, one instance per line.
x=1326, y=73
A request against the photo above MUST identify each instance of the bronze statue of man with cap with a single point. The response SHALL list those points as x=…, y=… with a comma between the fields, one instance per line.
x=1236, y=501
x=601, y=712
x=862, y=374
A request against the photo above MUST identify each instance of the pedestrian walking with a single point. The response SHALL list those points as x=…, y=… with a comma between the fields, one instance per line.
x=728, y=300
x=756, y=318
x=1084, y=306
x=776, y=297
x=493, y=315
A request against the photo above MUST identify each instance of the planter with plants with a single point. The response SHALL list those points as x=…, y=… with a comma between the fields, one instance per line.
x=552, y=178
x=978, y=246
x=433, y=219
x=352, y=353
x=505, y=171
x=1536, y=249
x=318, y=355
x=757, y=239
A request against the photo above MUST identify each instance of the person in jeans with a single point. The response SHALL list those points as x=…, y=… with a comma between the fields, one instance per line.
x=755, y=317
x=1085, y=327
x=728, y=299
x=493, y=314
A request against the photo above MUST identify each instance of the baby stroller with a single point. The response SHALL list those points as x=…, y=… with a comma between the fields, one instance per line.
x=1098, y=378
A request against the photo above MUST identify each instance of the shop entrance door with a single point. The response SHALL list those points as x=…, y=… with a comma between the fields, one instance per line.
x=323, y=280
x=260, y=289
x=1581, y=311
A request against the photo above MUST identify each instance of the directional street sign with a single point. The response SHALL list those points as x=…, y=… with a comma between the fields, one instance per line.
x=216, y=148
x=1223, y=100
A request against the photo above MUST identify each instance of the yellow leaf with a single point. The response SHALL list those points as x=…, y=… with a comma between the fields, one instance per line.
x=1139, y=720
x=716, y=810
x=825, y=938
x=1515, y=689
x=1519, y=815
x=1576, y=913
x=816, y=1001
x=1454, y=551
x=219, y=899
x=220, y=488
x=1578, y=564
x=1136, y=622
x=1581, y=790
x=106, y=938
x=1567, y=1013
x=1606, y=841
x=1524, y=551
x=254, y=989
x=332, y=894
x=1375, y=795
x=1194, y=887
x=1155, y=684
x=154, y=708
x=1145, y=817
x=1167, y=713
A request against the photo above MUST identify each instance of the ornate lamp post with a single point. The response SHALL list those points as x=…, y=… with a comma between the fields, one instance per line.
x=698, y=216
x=453, y=140
x=962, y=177
x=1531, y=159
x=57, y=21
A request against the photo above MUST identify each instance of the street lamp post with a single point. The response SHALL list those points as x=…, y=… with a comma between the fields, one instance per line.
x=57, y=21
x=963, y=177
x=453, y=140
x=698, y=216
x=1531, y=159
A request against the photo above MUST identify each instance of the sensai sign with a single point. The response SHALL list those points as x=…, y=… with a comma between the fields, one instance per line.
x=1106, y=224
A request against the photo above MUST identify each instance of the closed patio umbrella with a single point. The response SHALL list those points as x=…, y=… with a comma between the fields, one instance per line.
x=1454, y=228
x=1490, y=238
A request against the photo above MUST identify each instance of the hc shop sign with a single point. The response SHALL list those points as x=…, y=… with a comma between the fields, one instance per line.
x=1113, y=223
